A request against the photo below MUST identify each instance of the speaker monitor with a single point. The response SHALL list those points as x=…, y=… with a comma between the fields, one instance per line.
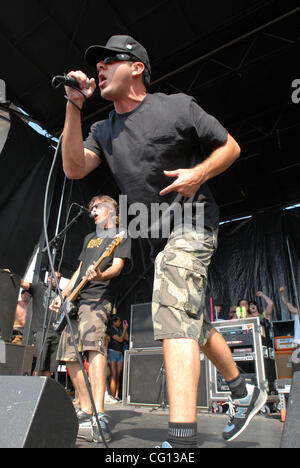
x=143, y=379
x=9, y=290
x=36, y=412
x=17, y=360
x=141, y=331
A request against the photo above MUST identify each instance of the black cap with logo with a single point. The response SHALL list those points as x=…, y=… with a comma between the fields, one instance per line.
x=116, y=45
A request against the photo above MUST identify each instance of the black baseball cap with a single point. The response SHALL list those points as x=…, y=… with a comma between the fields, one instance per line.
x=116, y=45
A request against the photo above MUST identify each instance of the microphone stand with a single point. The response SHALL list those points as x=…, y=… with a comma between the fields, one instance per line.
x=56, y=240
x=162, y=373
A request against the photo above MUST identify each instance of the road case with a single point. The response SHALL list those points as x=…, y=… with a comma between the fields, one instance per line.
x=255, y=361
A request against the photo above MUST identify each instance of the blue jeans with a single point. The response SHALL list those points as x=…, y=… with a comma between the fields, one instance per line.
x=115, y=356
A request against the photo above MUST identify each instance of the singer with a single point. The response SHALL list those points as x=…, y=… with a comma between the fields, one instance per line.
x=94, y=309
x=165, y=148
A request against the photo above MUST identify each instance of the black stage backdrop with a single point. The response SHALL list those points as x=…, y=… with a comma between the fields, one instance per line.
x=25, y=163
x=253, y=256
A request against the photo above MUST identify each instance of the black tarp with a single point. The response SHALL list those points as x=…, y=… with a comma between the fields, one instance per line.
x=253, y=256
x=25, y=163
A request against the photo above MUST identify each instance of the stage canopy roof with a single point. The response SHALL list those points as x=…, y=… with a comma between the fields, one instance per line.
x=238, y=58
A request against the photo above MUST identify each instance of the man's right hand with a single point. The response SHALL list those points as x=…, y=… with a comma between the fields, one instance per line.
x=82, y=80
x=55, y=304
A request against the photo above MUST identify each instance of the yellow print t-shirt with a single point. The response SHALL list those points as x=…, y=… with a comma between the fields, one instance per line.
x=94, y=243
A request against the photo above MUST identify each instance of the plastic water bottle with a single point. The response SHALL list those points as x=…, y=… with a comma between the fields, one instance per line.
x=244, y=313
x=239, y=313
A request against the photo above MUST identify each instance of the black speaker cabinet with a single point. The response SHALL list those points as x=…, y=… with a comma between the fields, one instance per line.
x=141, y=327
x=9, y=291
x=17, y=359
x=36, y=412
x=143, y=379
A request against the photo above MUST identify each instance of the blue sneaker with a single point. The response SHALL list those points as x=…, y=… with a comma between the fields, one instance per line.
x=97, y=436
x=89, y=431
x=82, y=416
x=164, y=445
x=242, y=411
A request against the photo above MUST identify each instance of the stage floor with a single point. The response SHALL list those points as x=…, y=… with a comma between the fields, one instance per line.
x=139, y=427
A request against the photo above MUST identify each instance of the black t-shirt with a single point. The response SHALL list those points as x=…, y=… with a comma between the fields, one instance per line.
x=94, y=246
x=162, y=133
x=39, y=293
x=113, y=344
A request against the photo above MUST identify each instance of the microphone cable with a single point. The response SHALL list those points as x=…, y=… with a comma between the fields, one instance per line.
x=79, y=359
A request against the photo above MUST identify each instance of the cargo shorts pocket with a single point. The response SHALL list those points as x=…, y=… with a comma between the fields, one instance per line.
x=182, y=285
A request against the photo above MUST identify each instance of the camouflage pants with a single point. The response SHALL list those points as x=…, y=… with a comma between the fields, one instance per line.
x=89, y=329
x=179, y=303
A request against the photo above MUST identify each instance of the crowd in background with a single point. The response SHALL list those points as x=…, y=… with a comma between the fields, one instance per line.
x=250, y=309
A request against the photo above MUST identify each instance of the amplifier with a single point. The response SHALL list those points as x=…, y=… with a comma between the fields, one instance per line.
x=237, y=335
x=284, y=365
x=284, y=343
x=9, y=290
x=144, y=379
x=18, y=360
x=243, y=356
x=141, y=327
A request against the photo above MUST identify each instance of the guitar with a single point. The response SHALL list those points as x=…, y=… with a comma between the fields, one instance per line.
x=69, y=307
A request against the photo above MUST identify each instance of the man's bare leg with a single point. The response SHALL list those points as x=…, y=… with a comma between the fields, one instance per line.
x=182, y=362
x=79, y=383
x=98, y=374
x=218, y=352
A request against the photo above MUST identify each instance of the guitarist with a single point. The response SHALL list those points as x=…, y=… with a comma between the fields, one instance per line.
x=94, y=308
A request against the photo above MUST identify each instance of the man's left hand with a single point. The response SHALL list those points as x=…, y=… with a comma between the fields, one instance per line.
x=93, y=274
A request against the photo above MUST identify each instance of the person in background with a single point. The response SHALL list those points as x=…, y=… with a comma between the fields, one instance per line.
x=264, y=318
x=232, y=313
x=219, y=313
x=118, y=335
x=267, y=313
x=20, y=317
x=294, y=311
x=45, y=352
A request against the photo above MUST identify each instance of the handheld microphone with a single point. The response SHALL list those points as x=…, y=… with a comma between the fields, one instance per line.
x=85, y=210
x=67, y=81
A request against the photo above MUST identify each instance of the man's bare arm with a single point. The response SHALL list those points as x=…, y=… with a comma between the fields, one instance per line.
x=290, y=306
x=77, y=161
x=188, y=181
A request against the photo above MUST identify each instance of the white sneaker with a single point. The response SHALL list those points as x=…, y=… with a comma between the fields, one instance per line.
x=109, y=399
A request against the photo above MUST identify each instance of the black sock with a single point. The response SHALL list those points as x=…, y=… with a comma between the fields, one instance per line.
x=238, y=388
x=183, y=435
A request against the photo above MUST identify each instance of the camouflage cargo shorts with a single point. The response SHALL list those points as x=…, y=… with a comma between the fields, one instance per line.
x=179, y=302
x=89, y=329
